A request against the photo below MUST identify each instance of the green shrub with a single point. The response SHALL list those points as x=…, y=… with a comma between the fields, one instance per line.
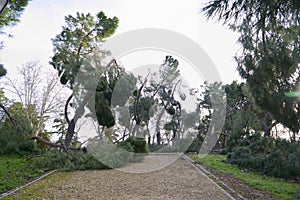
x=136, y=145
x=297, y=194
x=53, y=159
x=109, y=154
x=194, y=146
x=154, y=148
x=273, y=157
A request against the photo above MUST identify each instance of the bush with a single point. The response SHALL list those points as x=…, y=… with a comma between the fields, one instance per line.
x=109, y=154
x=273, y=157
x=297, y=194
x=194, y=146
x=136, y=145
x=53, y=159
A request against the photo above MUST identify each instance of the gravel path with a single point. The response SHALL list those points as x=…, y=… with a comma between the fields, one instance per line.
x=174, y=179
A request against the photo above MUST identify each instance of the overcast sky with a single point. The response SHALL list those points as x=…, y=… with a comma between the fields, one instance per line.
x=42, y=20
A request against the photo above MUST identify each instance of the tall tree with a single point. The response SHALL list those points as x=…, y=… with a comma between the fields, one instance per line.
x=211, y=100
x=156, y=96
x=269, y=34
x=39, y=92
x=73, y=49
x=243, y=117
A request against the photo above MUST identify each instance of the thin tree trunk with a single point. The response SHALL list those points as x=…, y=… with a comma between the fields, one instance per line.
x=72, y=123
x=7, y=113
x=157, y=129
x=267, y=127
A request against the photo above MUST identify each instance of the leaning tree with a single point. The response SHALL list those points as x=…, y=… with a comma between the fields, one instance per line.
x=77, y=57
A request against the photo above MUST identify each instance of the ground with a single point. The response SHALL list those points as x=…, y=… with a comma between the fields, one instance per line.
x=159, y=176
x=240, y=188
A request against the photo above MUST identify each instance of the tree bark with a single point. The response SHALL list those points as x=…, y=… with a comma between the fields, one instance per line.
x=158, y=138
x=7, y=113
x=267, y=126
x=149, y=140
x=47, y=142
x=72, y=123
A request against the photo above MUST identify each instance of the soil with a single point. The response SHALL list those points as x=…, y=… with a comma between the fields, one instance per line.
x=241, y=188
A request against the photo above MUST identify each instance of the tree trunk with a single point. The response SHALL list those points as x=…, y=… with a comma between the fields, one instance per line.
x=70, y=133
x=158, y=135
x=72, y=123
x=158, y=138
x=7, y=113
x=267, y=125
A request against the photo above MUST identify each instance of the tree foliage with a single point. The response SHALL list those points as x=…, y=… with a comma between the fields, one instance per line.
x=273, y=157
x=243, y=117
x=79, y=38
x=14, y=139
x=40, y=96
x=12, y=13
x=269, y=35
x=9, y=17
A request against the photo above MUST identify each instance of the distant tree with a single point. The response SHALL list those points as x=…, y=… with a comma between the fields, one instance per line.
x=140, y=109
x=121, y=103
x=210, y=104
x=162, y=87
x=40, y=94
x=269, y=35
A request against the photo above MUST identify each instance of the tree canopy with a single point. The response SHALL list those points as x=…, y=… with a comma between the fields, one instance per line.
x=269, y=35
x=78, y=39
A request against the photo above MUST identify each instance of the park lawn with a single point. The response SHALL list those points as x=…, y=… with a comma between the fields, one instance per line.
x=274, y=186
x=16, y=171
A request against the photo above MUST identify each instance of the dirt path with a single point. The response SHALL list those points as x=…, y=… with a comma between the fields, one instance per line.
x=174, y=179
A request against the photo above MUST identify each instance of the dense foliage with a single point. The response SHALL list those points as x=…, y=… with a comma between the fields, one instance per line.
x=269, y=62
x=273, y=157
x=136, y=145
x=15, y=137
x=276, y=186
x=269, y=36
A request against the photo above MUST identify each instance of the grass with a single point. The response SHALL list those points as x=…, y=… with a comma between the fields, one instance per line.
x=16, y=171
x=276, y=187
x=43, y=189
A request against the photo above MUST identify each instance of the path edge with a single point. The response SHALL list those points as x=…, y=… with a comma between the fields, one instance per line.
x=5, y=194
x=206, y=173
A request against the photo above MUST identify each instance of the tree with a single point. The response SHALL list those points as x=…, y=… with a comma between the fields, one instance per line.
x=9, y=17
x=11, y=14
x=74, y=49
x=14, y=138
x=40, y=94
x=163, y=87
x=269, y=35
x=211, y=99
x=243, y=117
